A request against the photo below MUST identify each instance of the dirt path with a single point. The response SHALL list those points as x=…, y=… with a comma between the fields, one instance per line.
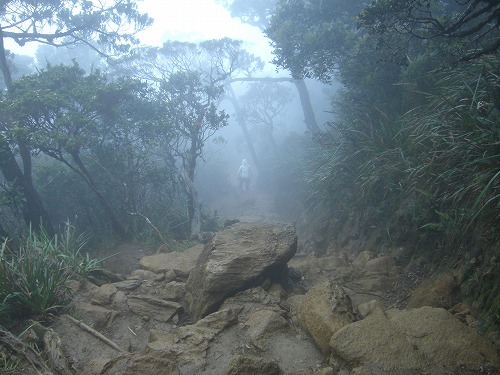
x=246, y=206
x=124, y=258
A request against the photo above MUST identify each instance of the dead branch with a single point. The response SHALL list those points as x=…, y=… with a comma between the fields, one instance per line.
x=93, y=332
x=158, y=233
x=18, y=347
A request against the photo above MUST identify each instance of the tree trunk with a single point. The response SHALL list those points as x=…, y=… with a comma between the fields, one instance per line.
x=196, y=219
x=34, y=213
x=305, y=100
x=3, y=62
x=194, y=209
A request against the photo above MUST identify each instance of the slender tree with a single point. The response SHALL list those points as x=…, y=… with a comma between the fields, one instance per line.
x=259, y=13
x=189, y=78
x=263, y=104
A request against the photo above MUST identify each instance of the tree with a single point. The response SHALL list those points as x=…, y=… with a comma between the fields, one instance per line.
x=191, y=105
x=189, y=79
x=65, y=114
x=320, y=40
x=263, y=103
x=310, y=38
x=258, y=13
x=60, y=23
x=106, y=27
x=86, y=57
x=253, y=12
x=471, y=27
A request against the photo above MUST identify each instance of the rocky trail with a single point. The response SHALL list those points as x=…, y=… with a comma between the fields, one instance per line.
x=247, y=302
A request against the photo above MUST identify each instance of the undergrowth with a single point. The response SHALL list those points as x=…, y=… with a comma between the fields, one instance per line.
x=34, y=277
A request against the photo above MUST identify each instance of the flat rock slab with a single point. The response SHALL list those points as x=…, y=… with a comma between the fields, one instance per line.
x=181, y=262
x=155, y=308
x=238, y=258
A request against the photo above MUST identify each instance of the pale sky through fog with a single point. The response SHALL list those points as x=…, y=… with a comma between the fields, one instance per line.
x=187, y=21
x=198, y=20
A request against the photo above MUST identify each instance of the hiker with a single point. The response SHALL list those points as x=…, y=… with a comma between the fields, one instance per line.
x=244, y=175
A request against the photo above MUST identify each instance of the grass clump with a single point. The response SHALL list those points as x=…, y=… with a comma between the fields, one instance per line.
x=34, y=277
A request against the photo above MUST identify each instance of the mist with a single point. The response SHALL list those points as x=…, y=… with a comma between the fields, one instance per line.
x=234, y=186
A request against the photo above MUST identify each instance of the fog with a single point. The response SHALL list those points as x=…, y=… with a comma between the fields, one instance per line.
x=222, y=160
x=188, y=22
x=371, y=126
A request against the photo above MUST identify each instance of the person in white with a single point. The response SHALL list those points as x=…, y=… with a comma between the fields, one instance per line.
x=244, y=175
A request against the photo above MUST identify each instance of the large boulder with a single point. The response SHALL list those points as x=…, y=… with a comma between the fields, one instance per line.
x=240, y=257
x=325, y=309
x=375, y=346
x=417, y=341
x=447, y=343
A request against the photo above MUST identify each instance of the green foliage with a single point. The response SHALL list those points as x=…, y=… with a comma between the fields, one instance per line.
x=36, y=276
x=413, y=149
x=71, y=251
x=433, y=169
x=310, y=38
x=454, y=144
x=63, y=23
x=481, y=284
x=104, y=131
x=470, y=28
x=33, y=279
x=253, y=12
x=8, y=363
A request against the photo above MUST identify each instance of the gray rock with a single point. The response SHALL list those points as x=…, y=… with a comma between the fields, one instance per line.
x=97, y=316
x=444, y=341
x=240, y=257
x=362, y=258
x=155, y=308
x=191, y=343
x=128, y=285
x=104, y=294
x=145, y=275
x=376, y=343
x=181, y=263
x=251, y=300
x=326, y=308
x=437, y=291
x=417, y=341
x=251, y=365
x=383, y=264
x=262, y=323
